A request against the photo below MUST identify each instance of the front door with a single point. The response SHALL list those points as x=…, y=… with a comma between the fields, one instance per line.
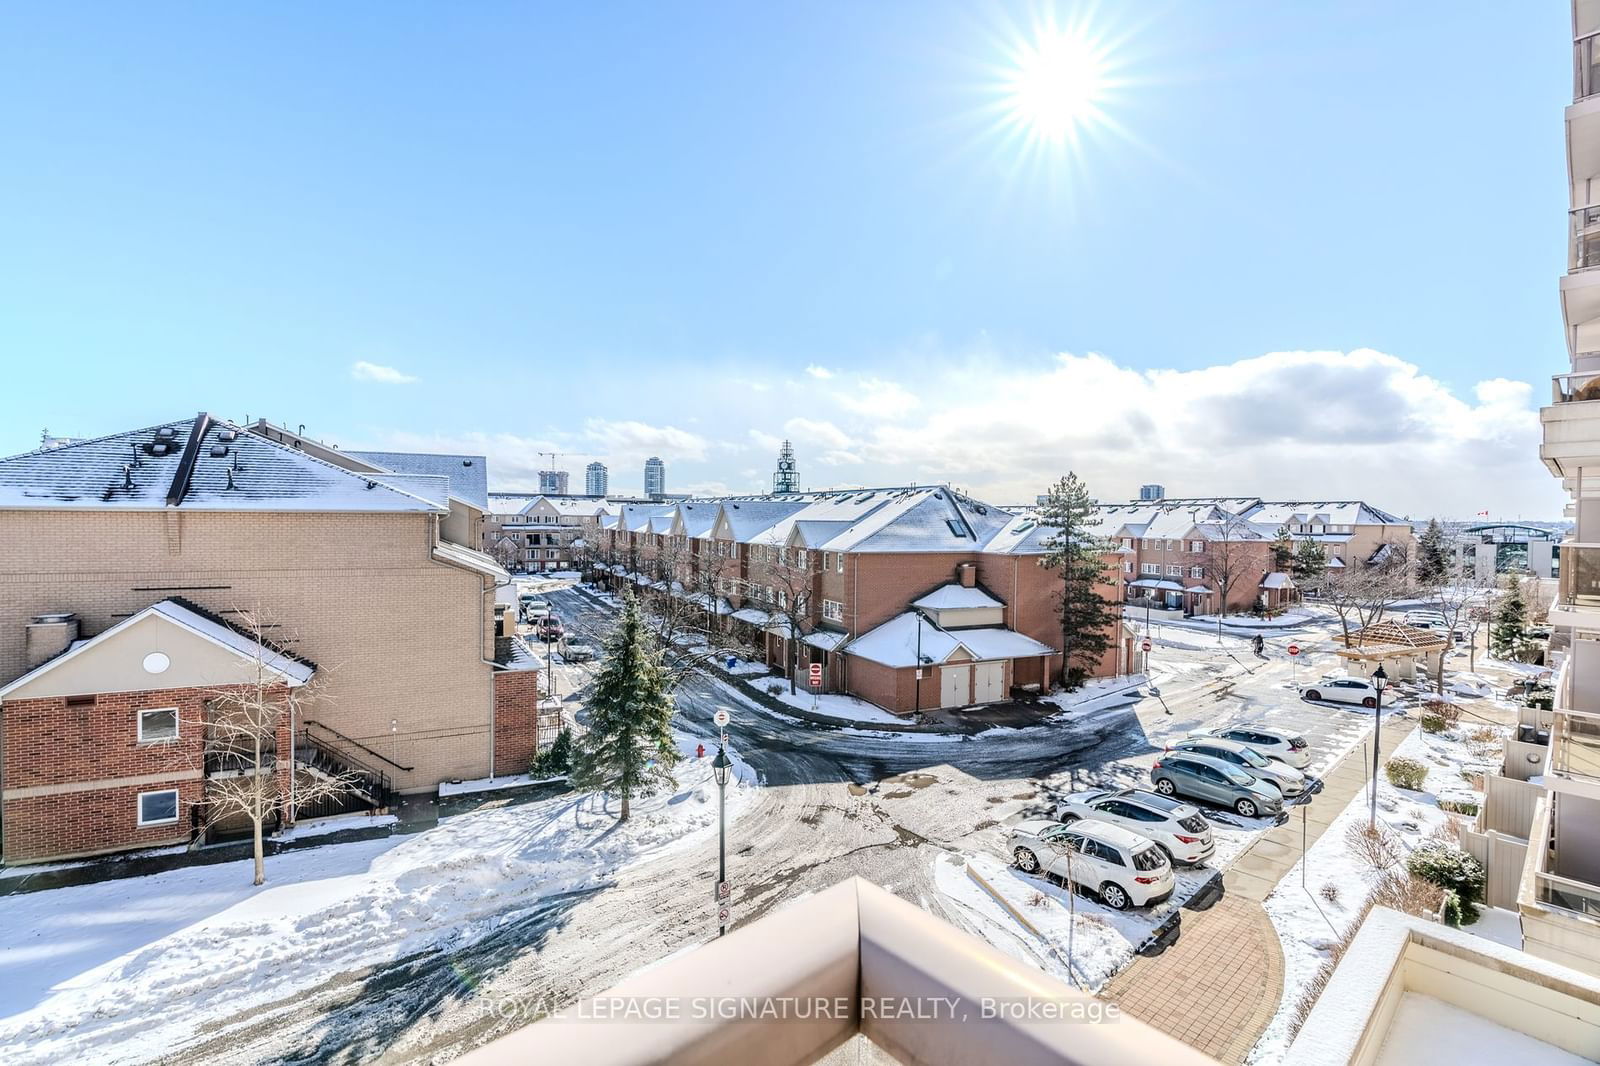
x=988, y=682
x=955, y=683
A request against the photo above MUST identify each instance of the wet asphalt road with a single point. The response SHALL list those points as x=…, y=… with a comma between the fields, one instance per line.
x=832, y=806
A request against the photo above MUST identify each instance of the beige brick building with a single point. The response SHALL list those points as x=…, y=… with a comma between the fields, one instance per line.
x=366, y=571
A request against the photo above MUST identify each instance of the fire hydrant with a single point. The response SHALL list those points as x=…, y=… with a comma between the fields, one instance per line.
x=700, y=751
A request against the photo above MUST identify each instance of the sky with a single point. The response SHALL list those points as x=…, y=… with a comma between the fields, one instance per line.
x=1288, y=250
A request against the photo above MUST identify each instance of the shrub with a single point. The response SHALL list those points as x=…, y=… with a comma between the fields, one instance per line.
x=1459, y=806
x=1451, y=910
x=1406, y=773
x=775, y=688
x=1432, y=723
x=1444, y=710
x=1442, y=864
x=1330, y=892
x=1400, y=891
x=555, y=760
x=1376, y=848
x=1484, y=734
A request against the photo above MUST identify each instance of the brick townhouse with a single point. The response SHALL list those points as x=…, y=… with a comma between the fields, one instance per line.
x=532, y=532
x=907, y=597
x=144, y=570
x=1175, y=551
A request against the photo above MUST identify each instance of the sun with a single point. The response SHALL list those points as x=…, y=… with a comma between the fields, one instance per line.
x=1057, y=85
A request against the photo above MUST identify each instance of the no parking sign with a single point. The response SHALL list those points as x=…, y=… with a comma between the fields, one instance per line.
x=1294, y=649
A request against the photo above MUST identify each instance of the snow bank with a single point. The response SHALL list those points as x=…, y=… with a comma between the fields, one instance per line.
x=125, y=971
x=830, y=703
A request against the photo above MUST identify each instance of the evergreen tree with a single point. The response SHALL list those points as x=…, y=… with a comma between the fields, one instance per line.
x=629, y=749
x=1283, y=551
x=1310, y=561
x=1509, y=630
x=1433, y=558
x=1078, y=557
x=556, y=759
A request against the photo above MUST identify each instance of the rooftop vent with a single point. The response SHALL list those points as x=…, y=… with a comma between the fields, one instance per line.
x=228, y=435
x=158, y=447
x=219, y=451
x=166, y=433
x=466, y=462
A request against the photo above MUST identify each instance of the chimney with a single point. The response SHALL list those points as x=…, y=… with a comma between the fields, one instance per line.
x=49, y=635
x=967, y=574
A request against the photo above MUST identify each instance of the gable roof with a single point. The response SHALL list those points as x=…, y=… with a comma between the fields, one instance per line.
x=200, y=463
x=896, y=642
x=955, y=597
x=468, y=475
x=210, y=627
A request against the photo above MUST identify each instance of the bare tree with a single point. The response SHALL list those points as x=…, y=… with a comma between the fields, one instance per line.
x=794, y=580
x=1361, y=592
x=1232, y=549
x=505, y=552
x=247, y=727
x=1460, y=598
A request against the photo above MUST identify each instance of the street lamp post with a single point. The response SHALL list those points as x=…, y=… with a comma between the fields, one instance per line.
x=719, y=770
x=1380, y=679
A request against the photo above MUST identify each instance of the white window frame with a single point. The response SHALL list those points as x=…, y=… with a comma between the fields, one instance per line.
x=139, y=727
x=1127, y=566
x=833, y=610
x=1151, y=569
x=838, y=561
x=1174, y=571
x=1197, y=546
x=1197, y=571
x=177, y=807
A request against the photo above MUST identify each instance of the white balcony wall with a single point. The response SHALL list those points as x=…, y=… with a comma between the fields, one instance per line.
x=1577, y=832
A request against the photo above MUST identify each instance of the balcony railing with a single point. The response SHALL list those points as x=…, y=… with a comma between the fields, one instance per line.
x=1585, y=72
x=1568, y=388
x=1551, y=889
x=1575, y=745
x=1585, y=223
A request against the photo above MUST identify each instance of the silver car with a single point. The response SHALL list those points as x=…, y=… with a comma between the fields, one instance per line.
x=1177, y=828
x=1288, y=748
x=1191, y=774
x=1286, y=779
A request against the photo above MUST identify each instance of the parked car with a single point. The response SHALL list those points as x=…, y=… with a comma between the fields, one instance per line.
x=1286, y=779
x=535, y=609
x=1122, y=868
x=550, y=628
x=1343, y=690
x=1188, y=773
x=1288, y=748
x=576, y=653
x=1177, y=828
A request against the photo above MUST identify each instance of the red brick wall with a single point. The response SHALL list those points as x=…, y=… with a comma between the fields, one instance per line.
x=86, y=823
x=516, y=720
x=878, y=586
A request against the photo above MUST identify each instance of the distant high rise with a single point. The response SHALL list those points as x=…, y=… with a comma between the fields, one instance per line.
x=553, y=481
x=655, y=477
x=784, y=479
x=595, y=479
x=1152, y=492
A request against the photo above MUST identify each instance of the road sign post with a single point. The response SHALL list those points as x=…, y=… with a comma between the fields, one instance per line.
x=721, y=718
x=1294, y=659
x=1145, y=647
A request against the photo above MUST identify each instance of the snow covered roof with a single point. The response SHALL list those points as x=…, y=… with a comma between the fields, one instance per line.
x=895, y=642
x=1334, y=512
x=468, y=475
x=825, y=639
x=699, y=519
x=752, y=615
x=200, y=463
x=470, y=559
x=636, y=517
x=1157, y=583
x=294, y=670
x=1277, y=580
x=513, y=653
x=510, y=502
x=955, y=596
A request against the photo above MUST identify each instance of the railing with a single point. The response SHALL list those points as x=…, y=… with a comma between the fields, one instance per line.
x=1575, y=745
x=1568, y=388
x=1585, y=72
x=329, y=737
x=1580, y=574
x=1585, y=222
x=225, y=760
x=1550, y=888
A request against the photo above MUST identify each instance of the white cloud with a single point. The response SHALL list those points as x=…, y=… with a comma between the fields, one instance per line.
x=820, y=372
x=362, y=370
x=629, y=440
x=810, y=431
x=875, y=397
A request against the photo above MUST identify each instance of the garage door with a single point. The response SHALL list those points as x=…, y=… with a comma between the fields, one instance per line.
x=988, y=682
x=954, y=684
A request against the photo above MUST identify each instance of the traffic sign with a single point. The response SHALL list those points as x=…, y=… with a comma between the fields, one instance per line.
x=1145, y=645
x=720, y=718
x=816, y=675
x=1294, y=649
x=724, y=890
x=723, y=740
x=724, y=914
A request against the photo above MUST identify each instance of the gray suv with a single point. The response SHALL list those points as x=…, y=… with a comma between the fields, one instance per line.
x=1187, y=773
x=1289, y=781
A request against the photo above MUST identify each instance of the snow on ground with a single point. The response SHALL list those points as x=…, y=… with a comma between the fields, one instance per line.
x=1287, y=620
x=1098, y=692
x=338, y=823
x=1307, y=920
x=1425, y=1029
x=491, y=784
x=832, y=704
x=124, y=971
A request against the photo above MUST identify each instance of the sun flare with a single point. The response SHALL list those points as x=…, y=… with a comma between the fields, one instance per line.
x=1057, y=86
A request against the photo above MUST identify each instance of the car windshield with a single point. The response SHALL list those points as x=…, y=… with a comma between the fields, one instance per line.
x=1236, y=777
x=1149, y=859
x=1056, y=834
x=1254, y=758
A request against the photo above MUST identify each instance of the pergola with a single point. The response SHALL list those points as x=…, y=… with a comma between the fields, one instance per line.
x=1397, y=647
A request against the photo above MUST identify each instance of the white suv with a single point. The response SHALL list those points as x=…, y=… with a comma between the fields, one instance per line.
x=1177, y=828
x=1343, y=690
x=1122, y=868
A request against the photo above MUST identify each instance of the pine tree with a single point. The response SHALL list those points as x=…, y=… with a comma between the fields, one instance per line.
x=1310, y=561
x=1283, y=551
x=1433, y=560
x=1078, y=556
x=629, y=749
x=1510, y=627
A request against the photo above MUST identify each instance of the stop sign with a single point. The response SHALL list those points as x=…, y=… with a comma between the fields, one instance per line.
x=1145, y=646
x=1294, y=649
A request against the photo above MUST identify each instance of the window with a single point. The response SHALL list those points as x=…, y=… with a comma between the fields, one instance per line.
x=1127, y=566
x=839, y=561
x=1150, y=568
x=827, y=560
x=833, y=610
x=1174, y=571
x=551, y=553
x=1143, y=543
x=158, y=808
x=1197, y=571
x=800, y=558
x=1197, y=546
x=158, y=724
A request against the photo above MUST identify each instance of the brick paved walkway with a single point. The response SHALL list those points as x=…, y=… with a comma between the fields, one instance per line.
x=1215, y=989
x=1219, y=986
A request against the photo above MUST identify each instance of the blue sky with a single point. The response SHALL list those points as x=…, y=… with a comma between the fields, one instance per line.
x=1306, y=236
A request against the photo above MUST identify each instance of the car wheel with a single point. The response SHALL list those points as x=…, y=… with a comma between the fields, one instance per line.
x=1027, y=861
x=1167, y=852
x=1369, y=703
x=1245, y=808
x=1165, y=786
x=1113, y=896
x=1314, y=695
x=1068, y=819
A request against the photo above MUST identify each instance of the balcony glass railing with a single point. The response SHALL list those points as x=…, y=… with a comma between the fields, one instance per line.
x=1575, y=388
x=1575, y=745
x=1551, y=887
x=1585, y=73
x=1580, y=574
x=1585, y=223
